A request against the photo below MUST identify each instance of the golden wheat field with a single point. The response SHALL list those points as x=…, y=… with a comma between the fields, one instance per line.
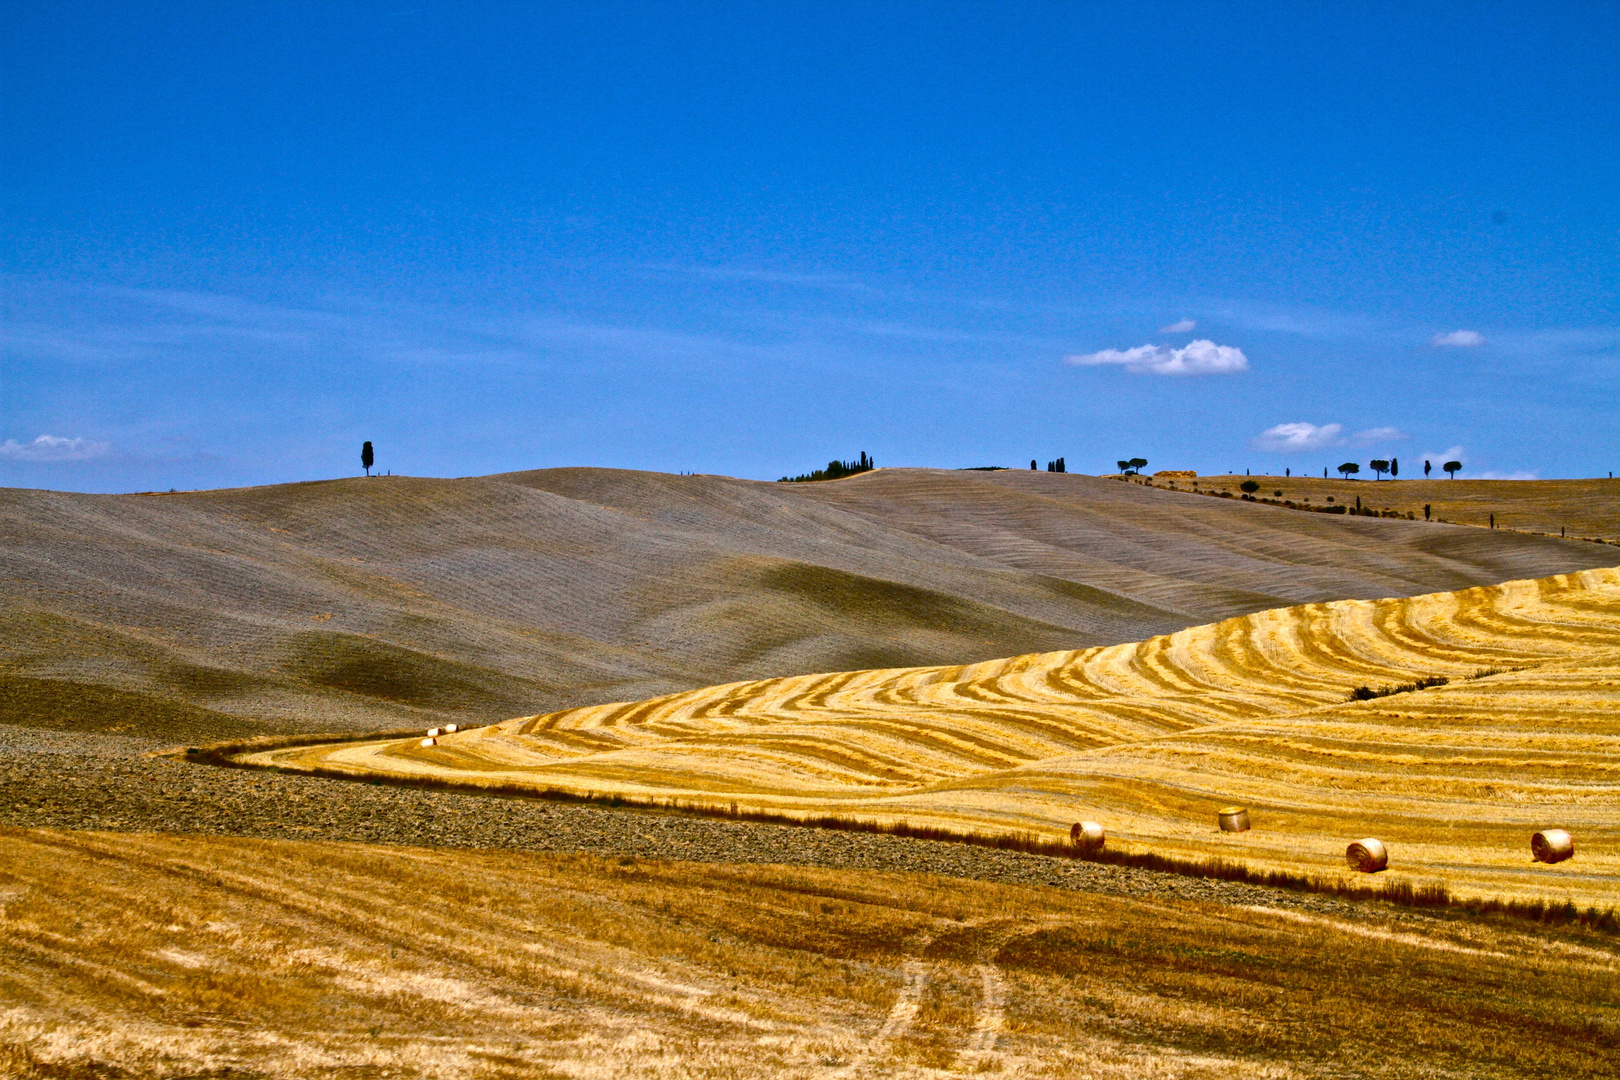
x=1151, y=740
x=145, y=956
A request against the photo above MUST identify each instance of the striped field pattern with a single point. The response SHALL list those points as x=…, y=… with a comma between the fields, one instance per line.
x=1152, y=739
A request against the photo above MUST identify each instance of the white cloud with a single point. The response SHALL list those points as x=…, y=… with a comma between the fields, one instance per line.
x=52, y=448
x=1507, y=476
x=1378, y=435
x=1180, y=327
x=1454, y=453
x=1298, y=436
x=1438, y=458
x=1200, y=357
x=1458, y=339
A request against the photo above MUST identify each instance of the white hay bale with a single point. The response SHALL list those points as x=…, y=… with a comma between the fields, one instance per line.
x=1088, y=835
x=435, y=732
x=430, y=742
x=1552, y=845
x=1234, y=819
x=1367, y=855
x=451, y=729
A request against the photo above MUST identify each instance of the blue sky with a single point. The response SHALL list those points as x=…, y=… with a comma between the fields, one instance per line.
x=237, y=240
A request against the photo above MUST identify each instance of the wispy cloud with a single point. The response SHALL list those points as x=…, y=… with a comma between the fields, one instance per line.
x=1458, y=339
x=53, y=448
x=1200, y=357
x=1183, y=326
x=1378, y=435
x=1298, y=436
x=1521, y=475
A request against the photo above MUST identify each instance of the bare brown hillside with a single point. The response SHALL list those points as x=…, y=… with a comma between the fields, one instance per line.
x=371, y=602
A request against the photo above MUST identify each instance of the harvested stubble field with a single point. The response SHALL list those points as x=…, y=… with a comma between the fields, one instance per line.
x=1151, y=739
x=1589, y=509
x=137, y=955
x=133, y=623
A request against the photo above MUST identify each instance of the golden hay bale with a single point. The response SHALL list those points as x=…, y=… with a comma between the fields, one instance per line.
x=1367, y=855
x=430, y=742
x=435, y=732
x=1552, y=845
x=1088, y=835
x=451, y=729
x=1235, y=819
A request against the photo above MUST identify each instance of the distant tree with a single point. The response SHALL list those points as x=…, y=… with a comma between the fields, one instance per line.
x=1426, y=507
x=1394, y=467
x=1063, y=466
x=1251, y=486
x=1124, y=466
x=835, y=470
x=1379, y=466
x=1288, y=472
x=1031, y=464
x=1348, y=469
x=1452, y=469
x=367, y=458
x=1426, y=467
x=1137, y=464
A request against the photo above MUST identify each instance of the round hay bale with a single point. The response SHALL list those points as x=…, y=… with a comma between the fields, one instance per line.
x=430, y=742
x=451, y=729
x=1367, y=855
x=435, y=732
x=1235, y=819
x=1552, y=845
x=1088, y=835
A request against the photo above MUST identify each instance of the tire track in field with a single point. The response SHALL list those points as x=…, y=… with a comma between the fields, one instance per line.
x=907, y=1004
x=979, y=1053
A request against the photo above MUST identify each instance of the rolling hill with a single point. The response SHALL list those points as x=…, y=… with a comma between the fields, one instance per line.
x=368, y=603
x=1517, y=729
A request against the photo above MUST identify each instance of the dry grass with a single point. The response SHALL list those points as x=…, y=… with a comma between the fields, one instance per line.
x=1152, y=739
x=155, y=956
x=1582, y=508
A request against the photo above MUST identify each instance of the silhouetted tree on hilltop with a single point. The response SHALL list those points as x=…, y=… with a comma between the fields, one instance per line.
x=835, y=470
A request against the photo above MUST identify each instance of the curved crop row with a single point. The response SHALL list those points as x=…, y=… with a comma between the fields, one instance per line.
x=1146, y=736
